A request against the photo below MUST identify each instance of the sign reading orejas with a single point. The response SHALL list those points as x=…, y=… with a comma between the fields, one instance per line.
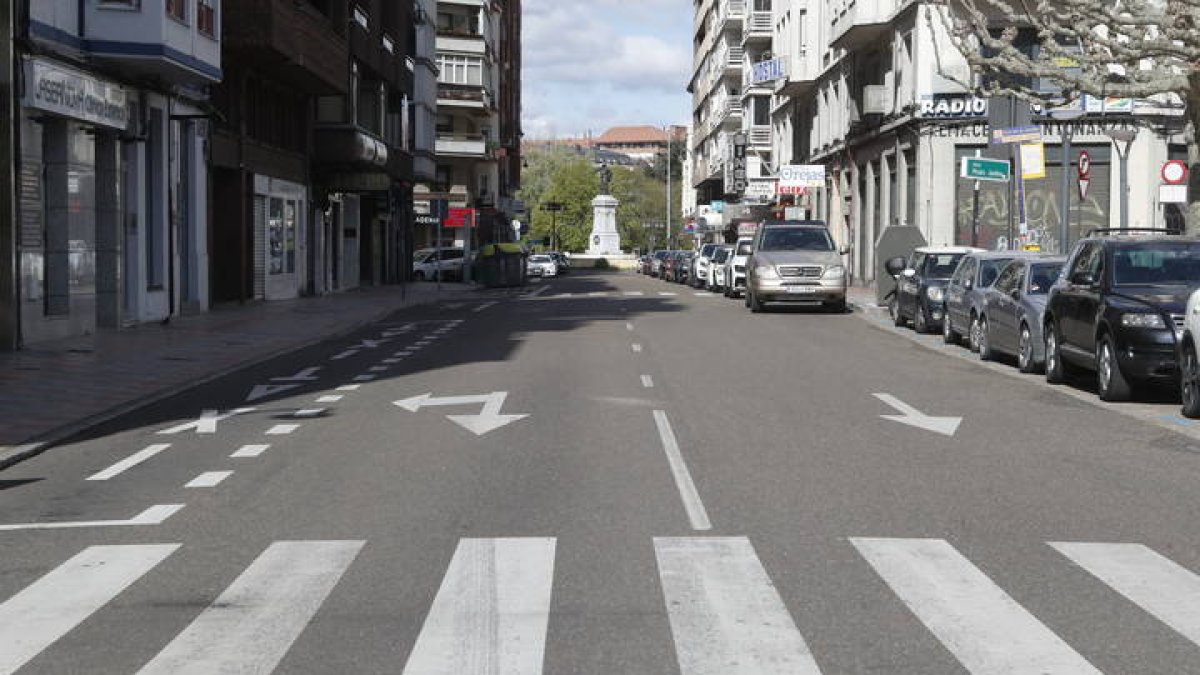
x=72, y=93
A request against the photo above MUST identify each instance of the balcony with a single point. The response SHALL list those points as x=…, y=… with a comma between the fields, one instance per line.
x=464, y=96
x=759, y=137
x=802, y=76
x=152, y=43
x=732, y=11
x=758, y=28
x=462, y=145
x=290, y=40
x=864, y=22
x=465, y=43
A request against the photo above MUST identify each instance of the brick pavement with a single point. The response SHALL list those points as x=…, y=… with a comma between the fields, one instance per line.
x=51, y=390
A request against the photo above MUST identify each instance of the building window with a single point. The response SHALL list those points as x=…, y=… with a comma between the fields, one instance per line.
x=206, y=17
x=389, y=45
x=281, y=233
x=460, y=70
x=177, y=9
x=361, y=18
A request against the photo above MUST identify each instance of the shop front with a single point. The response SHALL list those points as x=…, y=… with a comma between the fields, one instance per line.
x=280, y=233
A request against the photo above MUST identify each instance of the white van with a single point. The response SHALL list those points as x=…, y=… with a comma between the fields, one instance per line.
x=425, y=265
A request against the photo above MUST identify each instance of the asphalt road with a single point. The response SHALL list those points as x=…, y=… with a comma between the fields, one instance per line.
x=609, y=475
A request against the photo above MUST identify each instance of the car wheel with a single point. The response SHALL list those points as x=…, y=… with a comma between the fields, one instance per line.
x=920, y=323
x=1056, y=370
x=1025, y=360
x=973, y=333
x=894, y=310
x=1189, y=383
x=756, y=305
x=948, y=335
x=985, y=345
x=1110, y=381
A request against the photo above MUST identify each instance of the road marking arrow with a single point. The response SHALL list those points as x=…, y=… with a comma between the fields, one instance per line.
x=909, y=415
x=488, y=419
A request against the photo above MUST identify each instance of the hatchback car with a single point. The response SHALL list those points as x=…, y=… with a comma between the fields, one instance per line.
x=1010, y=315
x=965, y=292
x=921, y=284
x=716, y=271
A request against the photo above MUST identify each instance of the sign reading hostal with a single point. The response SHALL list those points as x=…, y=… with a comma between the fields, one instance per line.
x=65, y=91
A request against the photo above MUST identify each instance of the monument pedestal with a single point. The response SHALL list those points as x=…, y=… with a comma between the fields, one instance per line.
x=604, y=239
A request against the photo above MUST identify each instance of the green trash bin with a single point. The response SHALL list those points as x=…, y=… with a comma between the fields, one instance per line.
x=501, y=265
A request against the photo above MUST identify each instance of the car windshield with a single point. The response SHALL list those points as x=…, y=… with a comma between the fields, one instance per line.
x=721, y=255
x=940, y=265
x=1157, y=263
x=989, y=269
x=796, y=239
x=539, y=259
x=1042, y=276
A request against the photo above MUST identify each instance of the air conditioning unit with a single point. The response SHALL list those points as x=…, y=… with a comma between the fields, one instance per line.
x=877, y=99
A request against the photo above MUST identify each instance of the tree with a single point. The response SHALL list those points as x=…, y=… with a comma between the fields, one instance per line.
x=1126, y=48
x=567, y=178
x=643, y=202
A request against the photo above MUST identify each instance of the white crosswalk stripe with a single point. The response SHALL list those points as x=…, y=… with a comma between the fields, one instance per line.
x=250, y=627
x=725, y=613
x=50, y=607
x=985, y=629
x=1165, y=590
x=491, y=613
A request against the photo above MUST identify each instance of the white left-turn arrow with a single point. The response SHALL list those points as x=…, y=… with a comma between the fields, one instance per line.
x=488, y=419
x=909, y=415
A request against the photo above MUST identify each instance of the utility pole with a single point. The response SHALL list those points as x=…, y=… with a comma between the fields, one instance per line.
x=10, y=310
x=668, y=182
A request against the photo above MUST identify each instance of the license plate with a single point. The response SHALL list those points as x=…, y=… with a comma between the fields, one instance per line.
x=803, y=290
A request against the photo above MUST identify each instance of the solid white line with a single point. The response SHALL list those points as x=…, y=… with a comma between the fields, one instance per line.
x=50, y=607
x=483, y=307
x=155, y=515
x=491, y=612
x=251, y=450
x=683, y=478
x=349, y=387
x=331, y=398
x=1166, y=590
x=725, y=613
x=636, y=347
x=701, y=294
x=282, y=429
x=208, y=479
x=647, y=382
x=344, y=355
x=250, y=627
x=130, y=461
x=973, y=617
x=309, y=412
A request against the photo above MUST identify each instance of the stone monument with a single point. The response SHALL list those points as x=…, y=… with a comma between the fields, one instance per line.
x=604, y=239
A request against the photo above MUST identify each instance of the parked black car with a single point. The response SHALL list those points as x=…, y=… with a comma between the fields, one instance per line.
x=921, y=284
x=1118, y=308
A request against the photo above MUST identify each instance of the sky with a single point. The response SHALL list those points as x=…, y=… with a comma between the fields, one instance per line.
x=593, y=64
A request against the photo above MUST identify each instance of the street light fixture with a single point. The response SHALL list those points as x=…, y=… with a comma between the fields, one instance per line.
x=1064, y=116
x=1123, y=140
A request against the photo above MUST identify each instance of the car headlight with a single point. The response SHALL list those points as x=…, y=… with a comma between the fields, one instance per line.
x=766, y=272
x=935, y=293
x=1142, y=320
x=834, y=272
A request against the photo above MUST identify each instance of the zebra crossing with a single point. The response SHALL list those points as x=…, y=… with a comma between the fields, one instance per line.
x=493, y=610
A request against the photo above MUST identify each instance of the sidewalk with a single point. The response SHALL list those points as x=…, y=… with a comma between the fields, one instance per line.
x=51, y=390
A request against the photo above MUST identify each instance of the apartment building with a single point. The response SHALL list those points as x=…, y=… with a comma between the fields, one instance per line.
x=112, y=207
x=477, y=127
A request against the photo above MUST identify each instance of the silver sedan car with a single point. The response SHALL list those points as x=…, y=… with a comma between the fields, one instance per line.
x=1011, y=320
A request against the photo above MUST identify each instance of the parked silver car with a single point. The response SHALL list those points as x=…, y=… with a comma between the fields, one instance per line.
x=964, y=294
x=795, y=261
x=1013, y=307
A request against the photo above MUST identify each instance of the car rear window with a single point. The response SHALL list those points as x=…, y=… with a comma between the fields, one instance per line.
x=1157, y=263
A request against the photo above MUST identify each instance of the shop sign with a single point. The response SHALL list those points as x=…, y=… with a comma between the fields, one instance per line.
x=952, y=105
x=760, y=190
x=426, y=219
x=72, y=93
x=460, y=218
x=796, y=179
x=1033, y=160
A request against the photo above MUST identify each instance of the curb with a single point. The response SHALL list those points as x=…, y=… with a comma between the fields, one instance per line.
x=32, y=447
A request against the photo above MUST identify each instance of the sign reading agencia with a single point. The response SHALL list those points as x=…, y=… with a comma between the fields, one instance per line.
x=952, y=105
x=72, y=93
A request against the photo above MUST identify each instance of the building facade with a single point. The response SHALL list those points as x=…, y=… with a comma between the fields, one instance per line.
x=477, y=127
x=872, y=90
x=112, y=180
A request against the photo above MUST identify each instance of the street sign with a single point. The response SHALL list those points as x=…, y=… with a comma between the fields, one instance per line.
x=1174, y=172
x=1033, y=160
x=1172, y=194
x=1031, y=133
x=981, y=168
x=1084, y=165
x=1083, y=187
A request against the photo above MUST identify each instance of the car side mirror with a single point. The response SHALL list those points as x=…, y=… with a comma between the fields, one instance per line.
x=1083, y=279
x=845, y=250
x=895, y=265
x=1015, y=294
x=908, y=273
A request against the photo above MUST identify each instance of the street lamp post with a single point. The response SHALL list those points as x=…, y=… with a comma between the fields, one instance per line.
x=553, y=208
x=1064, y=116
x=1123, y=140
x=668, y=164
